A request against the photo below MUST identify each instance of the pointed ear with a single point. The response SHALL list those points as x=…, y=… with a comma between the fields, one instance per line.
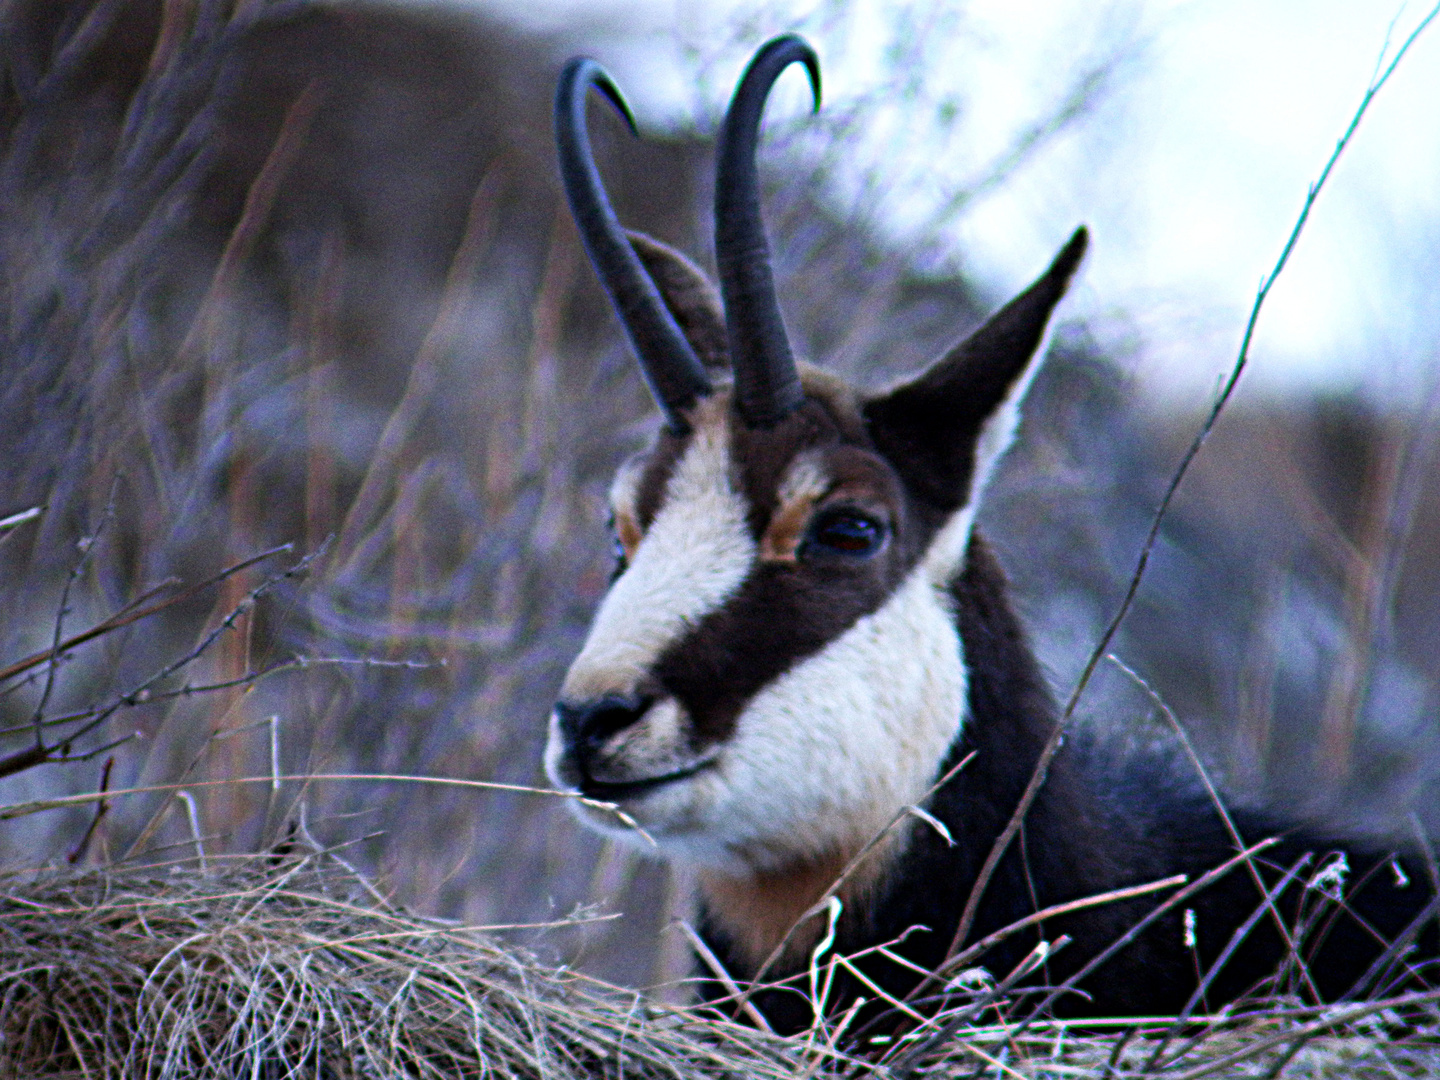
x=945, y=430
x=691, y=298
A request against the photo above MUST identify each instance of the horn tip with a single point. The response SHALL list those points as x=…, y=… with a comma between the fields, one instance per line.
x=578, y=75
x=796, y=48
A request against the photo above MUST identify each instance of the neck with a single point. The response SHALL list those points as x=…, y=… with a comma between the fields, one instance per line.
x=754, y=913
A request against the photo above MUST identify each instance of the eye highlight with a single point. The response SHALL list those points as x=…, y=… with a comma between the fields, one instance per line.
x=844, y=531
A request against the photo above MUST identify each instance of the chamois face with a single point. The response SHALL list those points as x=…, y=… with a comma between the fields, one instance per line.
x=776, y=668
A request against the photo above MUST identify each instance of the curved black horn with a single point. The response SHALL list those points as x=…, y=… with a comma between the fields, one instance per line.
x=767, y=386
x=675, y=375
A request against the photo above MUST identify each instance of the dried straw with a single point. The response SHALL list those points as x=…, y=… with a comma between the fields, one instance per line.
x=280, y=967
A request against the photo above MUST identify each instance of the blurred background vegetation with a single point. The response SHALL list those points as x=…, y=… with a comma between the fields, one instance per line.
x=281, y=273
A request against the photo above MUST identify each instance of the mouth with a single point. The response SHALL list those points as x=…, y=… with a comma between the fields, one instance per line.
x=606, y=791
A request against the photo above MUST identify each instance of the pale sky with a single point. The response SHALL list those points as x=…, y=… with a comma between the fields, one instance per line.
x=1190, y=171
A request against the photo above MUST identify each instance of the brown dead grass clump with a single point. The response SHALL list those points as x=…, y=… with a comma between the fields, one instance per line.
x=292, y=967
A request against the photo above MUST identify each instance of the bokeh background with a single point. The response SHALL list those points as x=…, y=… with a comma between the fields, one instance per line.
x=277, y=272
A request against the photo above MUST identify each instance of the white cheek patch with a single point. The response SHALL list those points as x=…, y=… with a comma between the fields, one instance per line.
x=693, y=558
x=824, y=756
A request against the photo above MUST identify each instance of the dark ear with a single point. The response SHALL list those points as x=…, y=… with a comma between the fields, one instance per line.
x=945, y=430
x=691, y=298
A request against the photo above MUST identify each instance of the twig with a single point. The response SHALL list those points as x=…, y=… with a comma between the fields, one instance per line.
x=1030, y=963
x=1291, y=945
x=829, y=1052
x=101, y=809
x=8, y=523
x=1203, y=882
x=87, y=545
x=60, y=802
x=133, y=614
x=193, y=814
x=42, y=753
x=988, y=942
x=134, y=700
x=882, y=949
x=294, y=663
x=1042, y=766
x=302, y=826
x=1377, y=970
x=711, y=961
x=1241, y=933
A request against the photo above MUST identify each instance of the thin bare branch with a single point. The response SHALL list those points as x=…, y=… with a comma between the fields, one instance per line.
x=36, y=806
x=711, y=961
x=1241, y=933
x=1291, y=946
x=87, y=547
x=132, y=614
x=101, y=809
x=15, y=520
x=1169, y=904
x=985, y=944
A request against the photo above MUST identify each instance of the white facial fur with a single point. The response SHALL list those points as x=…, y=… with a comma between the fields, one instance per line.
x=693, y=557
x=824, y=756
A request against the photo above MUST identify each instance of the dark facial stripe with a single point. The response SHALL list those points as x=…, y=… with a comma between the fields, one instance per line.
x=650, y=493
x=787, y=611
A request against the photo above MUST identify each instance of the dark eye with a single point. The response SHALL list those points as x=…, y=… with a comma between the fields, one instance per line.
x=845, y=532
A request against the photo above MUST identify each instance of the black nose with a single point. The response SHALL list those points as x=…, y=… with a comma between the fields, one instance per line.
x=587, y=724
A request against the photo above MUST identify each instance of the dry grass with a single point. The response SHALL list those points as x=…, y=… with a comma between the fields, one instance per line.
x=292, y=966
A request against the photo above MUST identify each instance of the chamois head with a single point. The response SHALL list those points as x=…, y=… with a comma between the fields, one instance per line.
x=776, y=668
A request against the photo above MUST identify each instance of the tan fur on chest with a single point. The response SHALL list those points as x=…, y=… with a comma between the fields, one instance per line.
x=756, y=911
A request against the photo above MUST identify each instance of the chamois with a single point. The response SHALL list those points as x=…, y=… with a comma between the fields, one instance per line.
x=805, y=634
